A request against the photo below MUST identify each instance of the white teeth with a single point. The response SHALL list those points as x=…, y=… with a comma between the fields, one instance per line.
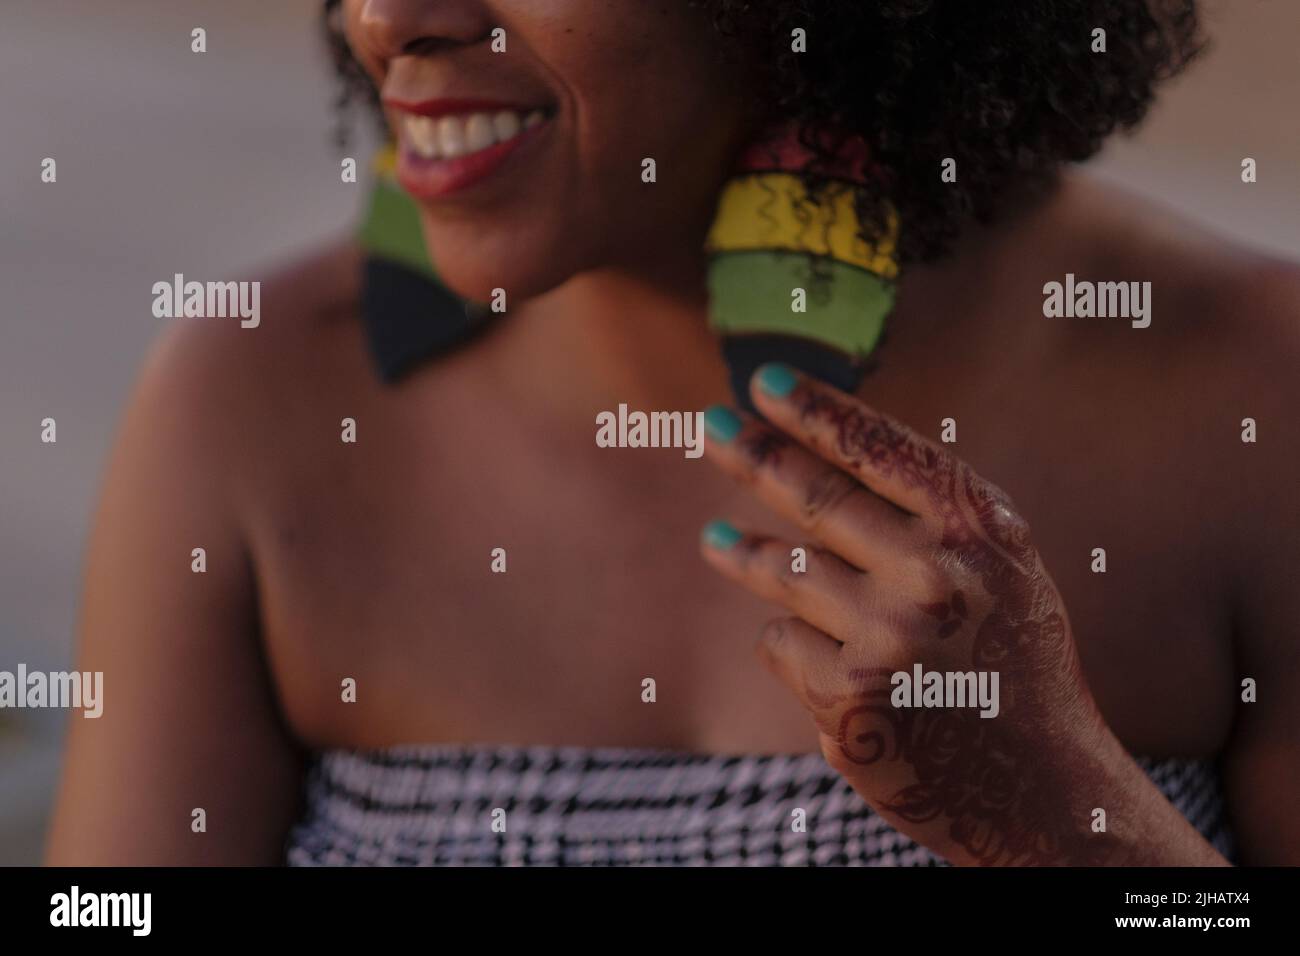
x=422, y=135
x=453, y=136
x=479, y=133
x=506, y=125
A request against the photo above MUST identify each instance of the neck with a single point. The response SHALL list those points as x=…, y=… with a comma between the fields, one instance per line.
x=621, y=336
x=616, y=335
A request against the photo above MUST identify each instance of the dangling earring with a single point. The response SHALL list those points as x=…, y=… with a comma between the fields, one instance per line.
x=790, y=279
x=408, y=314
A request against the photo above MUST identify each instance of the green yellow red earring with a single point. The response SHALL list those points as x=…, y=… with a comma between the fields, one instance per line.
x=790, y=278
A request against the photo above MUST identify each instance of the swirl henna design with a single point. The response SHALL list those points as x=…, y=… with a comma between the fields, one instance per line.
x=984, y=779
x=976, y=777
x=856, y=732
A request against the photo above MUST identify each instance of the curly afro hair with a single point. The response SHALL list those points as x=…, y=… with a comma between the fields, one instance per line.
x=1010, y=89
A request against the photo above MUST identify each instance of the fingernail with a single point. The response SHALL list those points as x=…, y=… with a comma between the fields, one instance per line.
x=721, y=535
x=776, y=379
x=721, y=423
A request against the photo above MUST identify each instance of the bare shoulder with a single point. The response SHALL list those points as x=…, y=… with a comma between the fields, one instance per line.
x=231, y=390
x=1219, y=366
x=304, y=305
x=1219, y=336
x=198, y=714
x=1197, y=401
x=1229, y=320
x=1210, y=290
x=1230, y=342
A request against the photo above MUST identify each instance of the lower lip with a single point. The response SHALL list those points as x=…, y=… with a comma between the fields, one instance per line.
x=436, y=178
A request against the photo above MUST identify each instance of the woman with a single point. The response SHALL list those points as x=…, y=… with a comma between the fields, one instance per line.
x=480, y=636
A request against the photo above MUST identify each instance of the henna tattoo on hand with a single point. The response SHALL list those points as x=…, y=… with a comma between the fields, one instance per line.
x=951, y=613
x=985, y=780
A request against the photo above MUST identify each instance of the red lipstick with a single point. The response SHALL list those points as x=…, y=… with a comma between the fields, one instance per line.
x=429, y=168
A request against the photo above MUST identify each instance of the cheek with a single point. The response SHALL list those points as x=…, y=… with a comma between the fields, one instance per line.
x=652, y=83
x=660, y=95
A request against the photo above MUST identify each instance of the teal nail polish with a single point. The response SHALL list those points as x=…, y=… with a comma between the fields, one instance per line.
x=721, y=423
x=776, y=379
x=721, y=535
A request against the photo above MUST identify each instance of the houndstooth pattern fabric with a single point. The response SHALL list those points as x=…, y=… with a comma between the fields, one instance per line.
x=433, y=806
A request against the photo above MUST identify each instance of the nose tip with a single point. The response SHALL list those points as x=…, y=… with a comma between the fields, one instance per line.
x=394, y=27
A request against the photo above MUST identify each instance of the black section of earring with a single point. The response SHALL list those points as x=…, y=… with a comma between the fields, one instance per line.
x=745, y=353
x=409, y=317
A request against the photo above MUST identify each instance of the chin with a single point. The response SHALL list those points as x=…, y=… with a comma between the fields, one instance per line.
x=523, y=265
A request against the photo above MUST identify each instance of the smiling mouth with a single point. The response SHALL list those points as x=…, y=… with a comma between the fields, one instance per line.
x=447, y=146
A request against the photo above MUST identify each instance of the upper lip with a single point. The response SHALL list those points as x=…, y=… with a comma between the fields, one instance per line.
x=450, y=107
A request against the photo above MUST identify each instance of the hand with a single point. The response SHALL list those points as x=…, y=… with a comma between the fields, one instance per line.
x=922, y=562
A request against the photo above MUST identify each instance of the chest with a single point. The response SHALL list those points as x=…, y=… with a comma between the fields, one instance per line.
x=514, y=595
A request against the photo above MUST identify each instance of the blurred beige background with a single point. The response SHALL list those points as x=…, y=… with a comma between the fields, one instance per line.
x=213, y=165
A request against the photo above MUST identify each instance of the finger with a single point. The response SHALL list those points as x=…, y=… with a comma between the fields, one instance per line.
x=822, y=499
x=827, y=591
x=887, y=456
x=804, y=659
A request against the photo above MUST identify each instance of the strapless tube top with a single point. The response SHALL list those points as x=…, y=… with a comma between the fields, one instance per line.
x=438, y=806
